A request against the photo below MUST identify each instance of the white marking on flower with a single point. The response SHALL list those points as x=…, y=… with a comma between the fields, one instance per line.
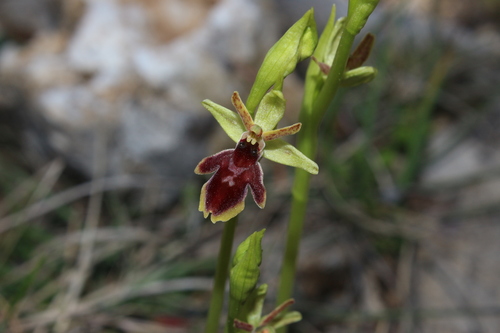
x=228, y=179
x=236, y=171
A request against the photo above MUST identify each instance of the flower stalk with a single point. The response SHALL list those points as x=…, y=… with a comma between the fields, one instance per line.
x=318, y=94
x=221, y=274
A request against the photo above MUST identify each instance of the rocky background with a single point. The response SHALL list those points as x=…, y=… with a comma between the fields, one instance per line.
x=103, y=96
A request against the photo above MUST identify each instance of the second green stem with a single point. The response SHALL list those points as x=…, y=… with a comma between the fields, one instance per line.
x=311, y=115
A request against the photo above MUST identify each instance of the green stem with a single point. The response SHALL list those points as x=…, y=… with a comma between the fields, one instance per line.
x=313, y=110
x=226, y=245
x=298, y=212
x=333, y=80
x=307, y=143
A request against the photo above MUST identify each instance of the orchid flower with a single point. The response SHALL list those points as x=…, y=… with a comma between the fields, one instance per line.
x=236, y=169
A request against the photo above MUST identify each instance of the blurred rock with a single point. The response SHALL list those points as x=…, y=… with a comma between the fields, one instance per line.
x=457, y=273
x=471, y=14
x=20, y=20
x=134, y=73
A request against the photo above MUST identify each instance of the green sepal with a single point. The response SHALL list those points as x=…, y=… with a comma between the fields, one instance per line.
x=295, y=45
x=244, y=273
x=229, y=120
x=287, y=319
x=282, y=152
x=358, y=76
x=271, y=110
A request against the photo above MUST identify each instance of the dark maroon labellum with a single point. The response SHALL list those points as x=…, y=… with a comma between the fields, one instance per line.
x=235, y=170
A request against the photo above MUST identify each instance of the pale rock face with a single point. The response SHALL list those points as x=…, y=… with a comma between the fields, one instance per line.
x=105, y=37
x=137, y=71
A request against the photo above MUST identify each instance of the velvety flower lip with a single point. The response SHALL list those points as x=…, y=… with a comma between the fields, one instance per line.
x=236, y=170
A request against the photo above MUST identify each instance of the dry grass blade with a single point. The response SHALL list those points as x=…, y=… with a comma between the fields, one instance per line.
x=405, y=285
x=48, y=205
x=57, y=247
x=112, y=295
x=400, y=228
x=130, y=325
x=84, y=261
x=48, y=178
x=33, y=189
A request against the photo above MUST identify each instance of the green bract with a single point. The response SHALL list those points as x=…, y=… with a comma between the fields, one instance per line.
x=358, y=76
x=270, y=112
x=325, y=53
x=254, y=305
x=330, y=38
x=358, y=13
x=244, y=273
x=297, y=44
x=246, y=299
x=269, y=323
